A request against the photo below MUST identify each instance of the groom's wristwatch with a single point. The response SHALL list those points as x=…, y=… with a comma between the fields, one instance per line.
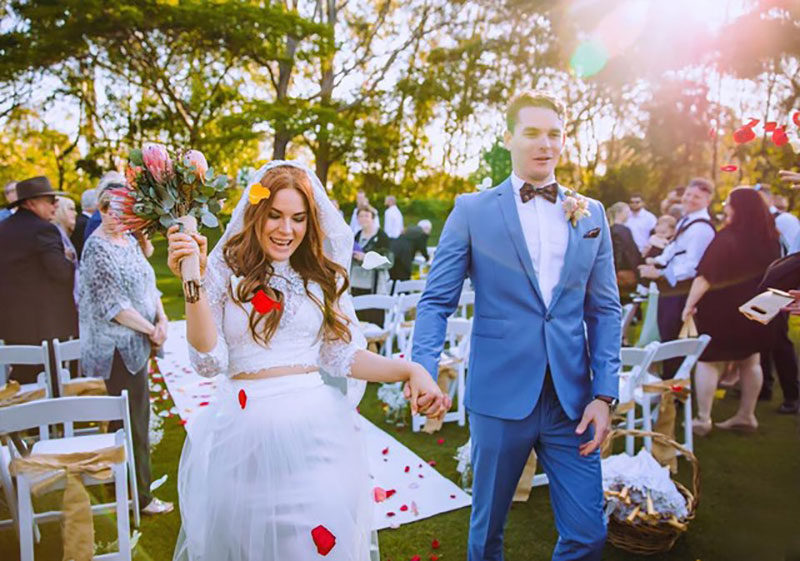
x=612, y=402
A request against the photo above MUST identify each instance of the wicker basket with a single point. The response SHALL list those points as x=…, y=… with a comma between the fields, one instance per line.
x=647, y=537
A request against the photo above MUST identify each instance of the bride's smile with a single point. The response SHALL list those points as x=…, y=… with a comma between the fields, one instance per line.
x=286, y=225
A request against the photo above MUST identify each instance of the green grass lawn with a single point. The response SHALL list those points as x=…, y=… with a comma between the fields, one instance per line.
x=749, y=500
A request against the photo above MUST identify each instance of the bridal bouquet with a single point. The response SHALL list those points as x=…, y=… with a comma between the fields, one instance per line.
x=161, y=191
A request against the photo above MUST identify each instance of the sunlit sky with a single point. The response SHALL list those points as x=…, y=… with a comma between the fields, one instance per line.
x=616, y=30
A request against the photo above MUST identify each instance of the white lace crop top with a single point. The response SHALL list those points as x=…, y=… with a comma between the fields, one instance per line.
x=296, y=341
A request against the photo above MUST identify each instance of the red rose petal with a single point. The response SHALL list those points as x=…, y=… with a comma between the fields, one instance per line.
x=202, y=404
x=403, y=508
x=452, y=496
x=779, y=136
x=379, y=494
x=432, y=462
x=728, y=168
x=421, y=476
x=264, y=304
x=440, y=441
x=385, y=451
x=796, y=118
x=182, y=422
x=771, y=126
x=242, y=399
x=753, y=122
x=435, y=544
x=323, y=539
x=743, y=135
x=434, y=557
x=390, y=492
x=407, y=469
x=390, y=514
x=415, y=558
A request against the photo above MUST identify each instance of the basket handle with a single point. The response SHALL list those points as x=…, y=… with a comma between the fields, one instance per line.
x=617, y=433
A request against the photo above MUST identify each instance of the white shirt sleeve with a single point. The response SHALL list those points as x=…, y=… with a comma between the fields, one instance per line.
x=394, y=222
x=789, y=227
x=684, y=266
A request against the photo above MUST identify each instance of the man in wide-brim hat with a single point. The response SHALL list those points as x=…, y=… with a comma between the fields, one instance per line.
x=36, y=278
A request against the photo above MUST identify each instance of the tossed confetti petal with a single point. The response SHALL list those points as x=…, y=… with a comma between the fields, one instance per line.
x=796, y=118
x=385, y=451
x=202, y=404
x=728, y=168
x=379, y=494
x=323, y=539
x=264, y=304
x=744, y=135
x=779, y=136
x=440, y=441
x=771, y=126
x=435, y=544
x=242, y=399
x=390, y=492
x=403, y=508
x=258, y=193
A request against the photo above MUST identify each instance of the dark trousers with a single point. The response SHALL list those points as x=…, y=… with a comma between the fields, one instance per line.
x=670, y=308
x=782, y=355
x=139, y=405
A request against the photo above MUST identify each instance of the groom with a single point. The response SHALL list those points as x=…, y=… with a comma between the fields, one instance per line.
x=545, y=338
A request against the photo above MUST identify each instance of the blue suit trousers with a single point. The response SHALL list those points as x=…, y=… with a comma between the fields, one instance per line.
x=500, y=449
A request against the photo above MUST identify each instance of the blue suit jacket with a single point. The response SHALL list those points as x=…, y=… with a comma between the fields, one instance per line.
x=514, y=336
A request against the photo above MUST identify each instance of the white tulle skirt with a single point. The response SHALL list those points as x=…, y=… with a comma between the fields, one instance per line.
x=254, y=482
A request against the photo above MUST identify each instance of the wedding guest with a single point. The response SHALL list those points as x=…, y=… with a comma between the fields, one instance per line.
x=36, y=275
x=413, y=240
x=676, y=211
x=375, y=281
x=361, y=201
x=110, y=179
x=10, y=193
x=64, y=219
x=88, y=207
x=676, y=267
x=626, y=254
x=728, y=276
x=392, y=218
x=640, y=221
x=781, y=352
x=662, y=234
x=121, y=320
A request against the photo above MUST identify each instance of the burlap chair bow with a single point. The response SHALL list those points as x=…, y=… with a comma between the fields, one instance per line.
x=51, y=469
x=11, y=394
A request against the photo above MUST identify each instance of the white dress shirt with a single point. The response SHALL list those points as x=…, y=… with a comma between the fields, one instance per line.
x=682, y=256
x=393, y=222
x=546, y=235
x=641, y=224
x=788, y=227
x=356, y=227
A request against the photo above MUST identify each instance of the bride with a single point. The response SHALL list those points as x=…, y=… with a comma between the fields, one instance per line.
x=274, y=469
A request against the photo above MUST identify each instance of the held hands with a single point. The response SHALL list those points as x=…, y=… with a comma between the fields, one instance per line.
x=159, y=334
x=424, y=394
x=182, y=245
x=596, y=413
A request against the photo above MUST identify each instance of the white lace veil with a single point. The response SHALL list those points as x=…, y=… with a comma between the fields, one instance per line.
x=337, y=245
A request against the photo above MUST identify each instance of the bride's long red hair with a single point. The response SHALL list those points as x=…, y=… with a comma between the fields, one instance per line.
x=245, y=255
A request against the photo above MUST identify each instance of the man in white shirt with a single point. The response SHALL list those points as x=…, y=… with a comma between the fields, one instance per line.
x=640, y=222
x=392, y=218
x=361, y=202
x=10, y=192
x=676, y=267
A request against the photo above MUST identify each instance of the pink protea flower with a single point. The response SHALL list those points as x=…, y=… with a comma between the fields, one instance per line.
x=157, y=161
x=198, y=160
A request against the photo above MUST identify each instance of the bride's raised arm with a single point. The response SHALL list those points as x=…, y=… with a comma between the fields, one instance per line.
x=208, y=349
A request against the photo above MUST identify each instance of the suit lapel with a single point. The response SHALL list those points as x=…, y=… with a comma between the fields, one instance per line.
x=570, y=258
x=508, y=207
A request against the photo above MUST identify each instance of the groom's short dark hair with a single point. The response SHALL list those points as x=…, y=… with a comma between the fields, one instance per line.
x=533, y=98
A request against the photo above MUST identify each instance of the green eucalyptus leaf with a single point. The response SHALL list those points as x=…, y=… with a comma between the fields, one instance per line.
x=209, y=220
x=135, y=157
x=221, y=182
x=201, y=198
x=166, y=221
x=209, y=174
x=214, y=206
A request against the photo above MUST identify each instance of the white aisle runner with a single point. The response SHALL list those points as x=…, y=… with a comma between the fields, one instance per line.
x=414, y=489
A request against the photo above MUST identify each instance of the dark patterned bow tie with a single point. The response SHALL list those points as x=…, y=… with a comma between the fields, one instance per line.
x=549, y=192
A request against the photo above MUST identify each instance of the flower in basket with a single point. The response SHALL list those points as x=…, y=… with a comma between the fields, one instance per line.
x=392, y=396
x=161, y=191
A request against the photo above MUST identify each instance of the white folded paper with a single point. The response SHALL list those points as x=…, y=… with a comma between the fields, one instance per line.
x=373, y=260
x=764, y=307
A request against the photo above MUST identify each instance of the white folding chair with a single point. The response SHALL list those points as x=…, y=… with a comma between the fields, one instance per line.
x=466, y=300
x=76, y=409
x=383, y=332
x=635, y=366
x=628, y=313
x=688, y=349
x=403, y=324
x=65, y=353
x=457, y=336
x=406, y=286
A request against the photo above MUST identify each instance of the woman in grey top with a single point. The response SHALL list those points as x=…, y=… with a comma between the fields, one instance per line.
x=121, y=315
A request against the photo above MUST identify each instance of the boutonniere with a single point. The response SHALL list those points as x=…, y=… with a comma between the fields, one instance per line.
x=576, y=207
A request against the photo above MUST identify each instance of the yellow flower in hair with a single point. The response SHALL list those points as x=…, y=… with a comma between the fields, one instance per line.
x=258, y=193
